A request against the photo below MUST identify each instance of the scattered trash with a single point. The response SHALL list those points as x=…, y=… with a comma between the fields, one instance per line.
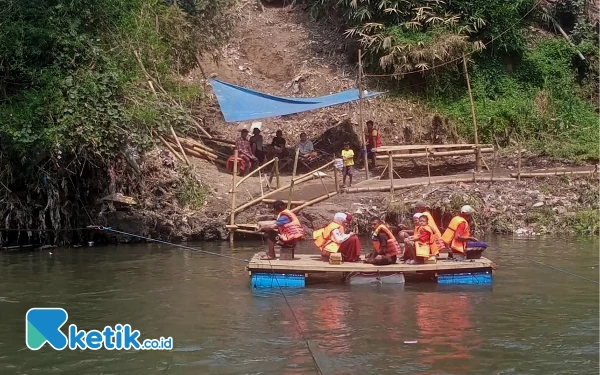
x=410, y=342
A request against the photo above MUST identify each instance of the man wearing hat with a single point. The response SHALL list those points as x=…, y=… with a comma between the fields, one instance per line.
x=458, y=232
x=242, y=144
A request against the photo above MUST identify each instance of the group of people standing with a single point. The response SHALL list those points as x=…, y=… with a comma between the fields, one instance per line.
x=422, y=244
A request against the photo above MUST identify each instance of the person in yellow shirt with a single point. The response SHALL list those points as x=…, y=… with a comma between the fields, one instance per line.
x=348, y=157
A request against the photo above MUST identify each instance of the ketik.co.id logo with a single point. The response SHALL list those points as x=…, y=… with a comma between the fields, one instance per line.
x=42, y=325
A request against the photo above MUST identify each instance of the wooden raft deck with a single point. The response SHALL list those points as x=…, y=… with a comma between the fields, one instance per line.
x=308, y=264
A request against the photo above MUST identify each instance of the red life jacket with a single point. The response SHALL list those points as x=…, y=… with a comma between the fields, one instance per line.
x=392, y=248
x=291, y=231
x=374, y=133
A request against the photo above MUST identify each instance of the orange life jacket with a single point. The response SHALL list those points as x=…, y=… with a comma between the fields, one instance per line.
x=324, y=238
x=392, y=248
x=449, y=236
x=291, y=231
x=437, y=243
x=424, y=249
x=374, y=133
x=432, y=223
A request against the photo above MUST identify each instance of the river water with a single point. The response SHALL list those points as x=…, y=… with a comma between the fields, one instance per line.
x=533, y=320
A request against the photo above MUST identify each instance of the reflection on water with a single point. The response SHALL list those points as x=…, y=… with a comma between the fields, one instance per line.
x=533, y=320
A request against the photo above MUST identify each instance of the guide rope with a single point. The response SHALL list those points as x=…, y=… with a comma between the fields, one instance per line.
x=563, y=270
x=109, y=229
x=312, y=355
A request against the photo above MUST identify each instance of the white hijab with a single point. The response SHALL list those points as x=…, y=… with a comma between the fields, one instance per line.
x=340, y=218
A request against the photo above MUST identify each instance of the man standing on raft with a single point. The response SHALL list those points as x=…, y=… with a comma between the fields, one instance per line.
x=285, y=231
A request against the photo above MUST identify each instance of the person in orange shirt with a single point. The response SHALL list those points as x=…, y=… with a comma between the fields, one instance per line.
x=458, y=232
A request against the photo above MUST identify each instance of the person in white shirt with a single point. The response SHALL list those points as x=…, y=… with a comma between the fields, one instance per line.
x=306, y=149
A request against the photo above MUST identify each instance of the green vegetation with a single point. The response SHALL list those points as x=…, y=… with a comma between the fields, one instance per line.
x=528, y=82
x=190, y=192
x=82, y=84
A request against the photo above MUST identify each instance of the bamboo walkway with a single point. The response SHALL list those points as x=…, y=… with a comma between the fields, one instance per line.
x=378, y=185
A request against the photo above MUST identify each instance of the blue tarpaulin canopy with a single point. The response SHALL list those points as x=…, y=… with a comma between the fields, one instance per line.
x=242, y=104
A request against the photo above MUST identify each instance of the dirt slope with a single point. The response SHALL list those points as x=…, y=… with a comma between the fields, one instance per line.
x=282, y=51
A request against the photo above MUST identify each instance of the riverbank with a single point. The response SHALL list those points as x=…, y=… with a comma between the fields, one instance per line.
x=533, y=206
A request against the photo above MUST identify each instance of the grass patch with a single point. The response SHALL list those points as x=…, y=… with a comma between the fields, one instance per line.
x=190, y=192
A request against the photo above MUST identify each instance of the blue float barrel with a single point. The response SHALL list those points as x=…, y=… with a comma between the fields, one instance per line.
x=276, y=280
x=481, y=278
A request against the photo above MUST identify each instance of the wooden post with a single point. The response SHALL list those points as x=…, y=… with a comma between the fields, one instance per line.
x=335, y=176
x=277, y=172
x=428, y=169
x=519, y=163
x=391, y=173
x=232, y=215
x=360, y=113
x=493, y=166
x=478, y=150
x=289, y=205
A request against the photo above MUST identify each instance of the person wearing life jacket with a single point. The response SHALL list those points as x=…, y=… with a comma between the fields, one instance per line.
x=422, y=208
x=373, y=140
x=458, y=232
x=408, y=241
x=285, y=231
x=424, y=242
x=385, y=246
x=334, y=239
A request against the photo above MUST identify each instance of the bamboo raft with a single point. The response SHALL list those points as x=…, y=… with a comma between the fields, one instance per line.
x=307, y=267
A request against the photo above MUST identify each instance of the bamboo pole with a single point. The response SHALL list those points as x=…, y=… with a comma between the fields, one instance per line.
x=233, y=186
x=277, y=183
x=493, y=166
x=198, y=154
x=360, y=113
x=555, y=173
x=262, y=192
x=391, y=174
x=519, y=163
x=294, y=203
x=299, y=180
x=221, y=140
x=289, y=205
x=314, y=201
x=431, y=147
x=414, y=184
x=207, y=134
x=171, y=149
x=253, y=172
x=428, y=168
x=478, y=153
x=248, y=231
x=336, y=178
x=437, y=154
x=187, y=161
x=323, y=183
x=203, y=152
x=192, y=143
